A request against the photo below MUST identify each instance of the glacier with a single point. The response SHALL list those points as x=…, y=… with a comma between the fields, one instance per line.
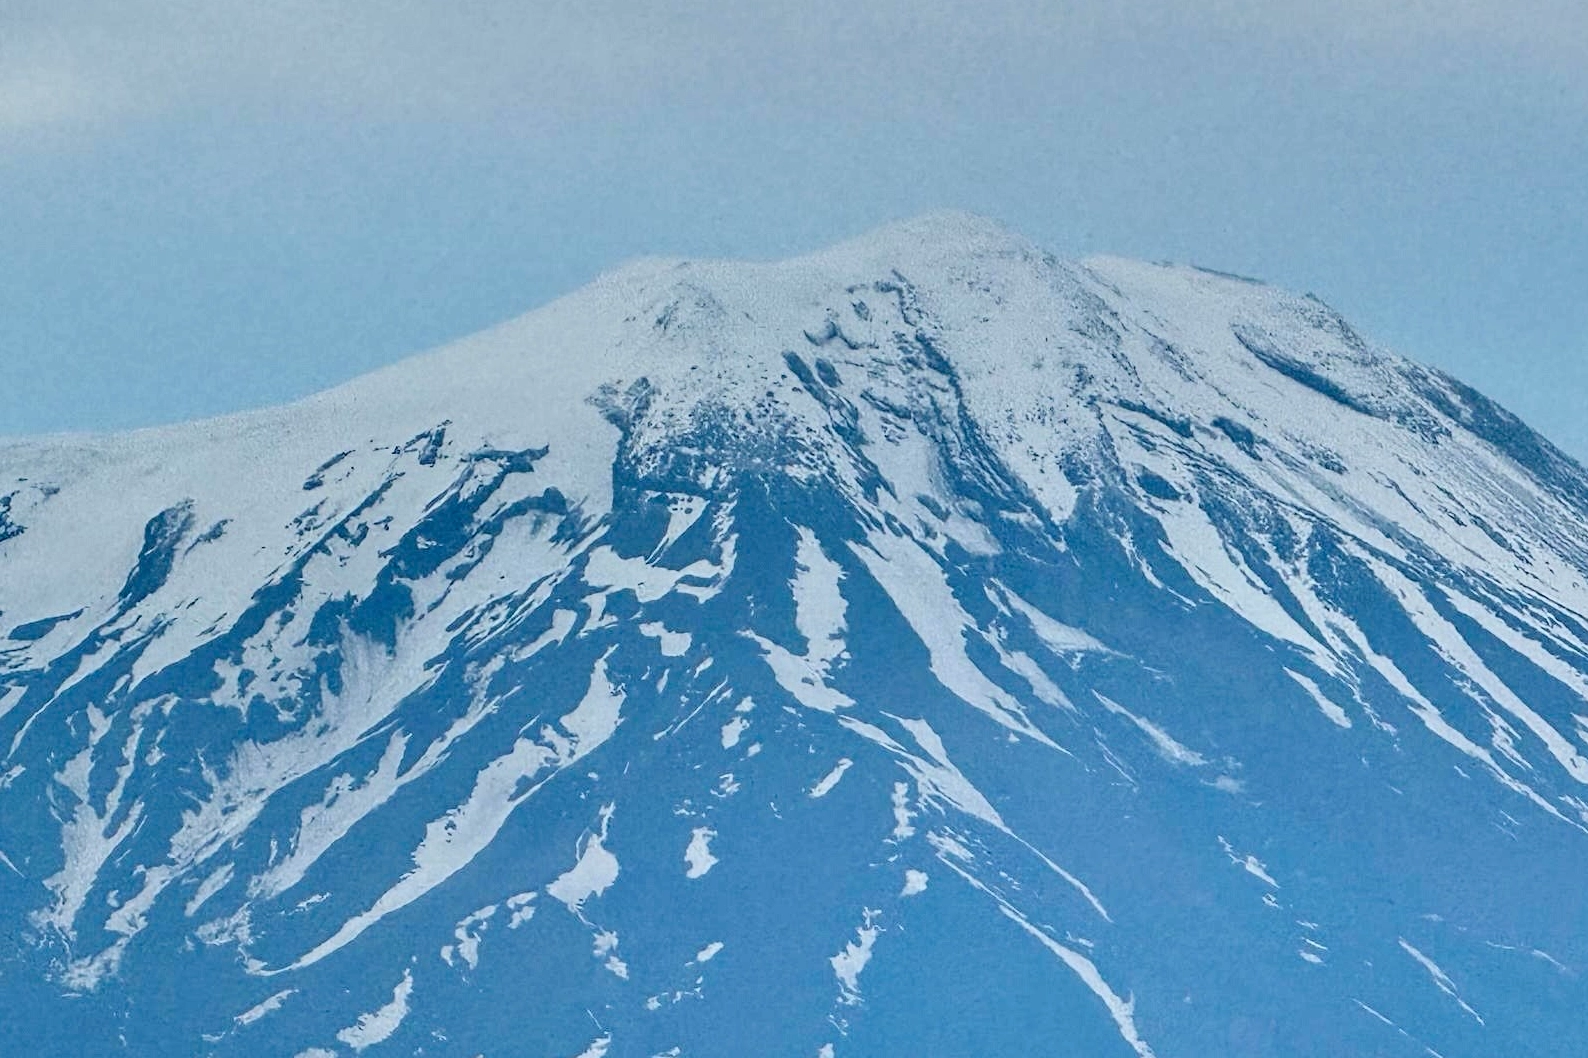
x=922, y=646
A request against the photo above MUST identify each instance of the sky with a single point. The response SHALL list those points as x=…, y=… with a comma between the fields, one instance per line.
x=207, y=205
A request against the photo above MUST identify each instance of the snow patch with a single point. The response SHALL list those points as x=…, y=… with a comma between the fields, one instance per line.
x=521, y=908
x=1171, y=750
x=1441, y=979
x=593, y=874
x=597, y=1049
x=1335, y=714
x=902, y=828
x=733, y=730
x=848, y=964
x=673, y=644
x=268, y=1006
x=467, y=933
x=380, y=1025
x=698, y=859
x=1250, y=864
x=831, y=779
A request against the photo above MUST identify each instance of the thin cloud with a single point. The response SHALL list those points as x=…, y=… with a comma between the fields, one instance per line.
x=558, y=59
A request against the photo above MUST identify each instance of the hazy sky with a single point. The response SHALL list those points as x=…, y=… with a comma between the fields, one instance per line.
x=213, y=204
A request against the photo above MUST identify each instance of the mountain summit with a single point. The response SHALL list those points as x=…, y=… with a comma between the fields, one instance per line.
x=925, y=646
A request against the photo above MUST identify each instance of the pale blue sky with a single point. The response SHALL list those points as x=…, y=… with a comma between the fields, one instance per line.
x=209, y=206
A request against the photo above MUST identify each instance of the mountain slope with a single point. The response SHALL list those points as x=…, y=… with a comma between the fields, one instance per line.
x=924, y=646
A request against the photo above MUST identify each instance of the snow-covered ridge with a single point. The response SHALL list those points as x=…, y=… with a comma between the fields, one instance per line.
x=1054, y=361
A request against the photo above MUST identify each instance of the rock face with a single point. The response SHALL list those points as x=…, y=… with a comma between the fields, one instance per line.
x=925, y=647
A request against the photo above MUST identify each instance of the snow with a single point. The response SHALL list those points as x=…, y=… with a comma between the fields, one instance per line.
x=1058, y=637
x=806, y=681
x=597, y=1049
x=848, y=963
x=1121, y=1010
x=605, y=568
x=935, y=775
x=521, y=908
x=1441, y=979
x=819, y=610
x=1374, y=1013
x=452, y=841
x=322, y=825
x=604, y=946
x=915, y=583
x=939, y=779
x=87, y=838
x=673, y=644
x=562, y=622
x=594, y=873
x=831, y=779
x=733, y=730
x=1449, y=642
x=10, y=699
x=479, y=385
x=370, y=690
x=1197, y=545
x=819, y=606
x=943, y=778
x=1167, y=747
x=948, y=845
x=902, y=828
x=597, y=715
x=1434, y=720
x=468, y=936
x=1248, y=863
x=683, y=511
x=698, y=859
x=380, y=1025
x=269, y=1005
x=211, y=885
x=1534, y=647
x=1336, y=715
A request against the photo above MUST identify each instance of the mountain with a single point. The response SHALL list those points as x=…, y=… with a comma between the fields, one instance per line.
x=922, y=647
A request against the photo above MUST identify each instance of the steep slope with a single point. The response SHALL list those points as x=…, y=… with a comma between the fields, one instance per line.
x=922, y=647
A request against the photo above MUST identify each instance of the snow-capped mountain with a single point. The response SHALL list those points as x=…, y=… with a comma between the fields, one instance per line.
x=923, y=647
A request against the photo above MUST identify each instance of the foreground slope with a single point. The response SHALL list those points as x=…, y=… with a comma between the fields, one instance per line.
x=922, y=647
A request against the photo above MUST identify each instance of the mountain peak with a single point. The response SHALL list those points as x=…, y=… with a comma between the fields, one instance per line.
x=692, y=665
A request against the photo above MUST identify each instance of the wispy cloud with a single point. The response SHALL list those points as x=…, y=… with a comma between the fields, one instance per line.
x=72, y=60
